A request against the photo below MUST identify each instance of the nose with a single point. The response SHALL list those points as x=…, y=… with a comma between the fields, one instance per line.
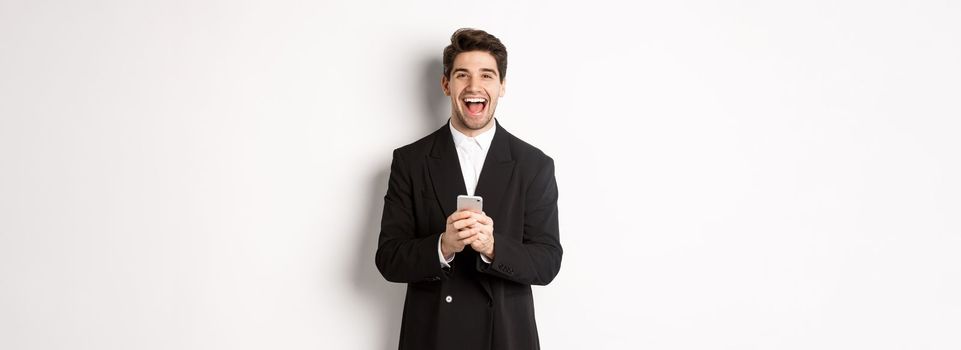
x=474, y=85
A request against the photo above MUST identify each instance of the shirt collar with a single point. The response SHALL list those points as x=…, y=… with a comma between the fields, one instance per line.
x=484, y=139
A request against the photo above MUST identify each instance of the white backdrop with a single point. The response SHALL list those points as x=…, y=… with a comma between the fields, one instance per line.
x=740, y=175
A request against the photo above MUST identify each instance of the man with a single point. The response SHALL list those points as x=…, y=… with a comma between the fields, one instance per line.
x=469, y=274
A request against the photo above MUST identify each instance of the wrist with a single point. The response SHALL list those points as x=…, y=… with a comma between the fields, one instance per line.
x=445, y=250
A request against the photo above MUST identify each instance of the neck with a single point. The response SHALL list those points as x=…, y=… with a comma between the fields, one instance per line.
x=469, y=132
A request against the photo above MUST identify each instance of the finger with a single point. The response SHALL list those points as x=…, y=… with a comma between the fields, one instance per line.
x=466, y=234
x=469, y=241
x=460, y=215
x=485, y=220
x=453, y=217
x=482, y=218
x=465, y=223
x=488, y=230
x=485, y=238
x=480, y=237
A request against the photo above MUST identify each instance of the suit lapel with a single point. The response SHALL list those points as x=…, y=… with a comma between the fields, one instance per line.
x=448, y=180
x=496, y=173
x=445, y=173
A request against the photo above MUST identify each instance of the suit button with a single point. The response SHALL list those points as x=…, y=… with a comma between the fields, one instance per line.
x=449, y=299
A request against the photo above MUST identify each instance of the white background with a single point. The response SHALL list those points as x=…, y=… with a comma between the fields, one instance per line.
x=739, y=175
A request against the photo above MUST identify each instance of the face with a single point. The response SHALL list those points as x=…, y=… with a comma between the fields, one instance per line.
x=474, y=87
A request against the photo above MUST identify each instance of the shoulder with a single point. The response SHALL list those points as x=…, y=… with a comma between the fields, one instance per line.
x=419, y=148
x=527, y=155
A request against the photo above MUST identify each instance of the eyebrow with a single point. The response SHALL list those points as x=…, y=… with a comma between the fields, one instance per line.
x=468, y=72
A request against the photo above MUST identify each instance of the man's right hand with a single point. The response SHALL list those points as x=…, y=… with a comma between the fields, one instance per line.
x=458, y=233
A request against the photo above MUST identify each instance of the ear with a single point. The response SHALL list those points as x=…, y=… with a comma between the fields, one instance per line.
x=445, y=84
x=503, y=88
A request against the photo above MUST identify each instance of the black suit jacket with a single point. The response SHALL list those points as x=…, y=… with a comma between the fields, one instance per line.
x=490, y=305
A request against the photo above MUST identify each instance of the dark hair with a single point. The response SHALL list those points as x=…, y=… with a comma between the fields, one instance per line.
x=469, y=39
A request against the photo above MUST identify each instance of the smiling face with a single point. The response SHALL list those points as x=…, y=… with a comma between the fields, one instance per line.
x=474, y=87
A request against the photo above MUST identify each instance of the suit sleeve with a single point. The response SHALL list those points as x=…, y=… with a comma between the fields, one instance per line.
x=401, y=256
x=536, y=259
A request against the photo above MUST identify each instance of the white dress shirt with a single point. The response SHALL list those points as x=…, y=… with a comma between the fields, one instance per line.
x=471, y=152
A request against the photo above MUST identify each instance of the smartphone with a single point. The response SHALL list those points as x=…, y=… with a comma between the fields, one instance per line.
x=472, y=203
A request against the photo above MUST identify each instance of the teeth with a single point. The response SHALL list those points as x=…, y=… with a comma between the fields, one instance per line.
x=481, y=100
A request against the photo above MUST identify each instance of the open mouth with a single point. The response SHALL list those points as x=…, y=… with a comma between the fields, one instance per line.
x=475, y=105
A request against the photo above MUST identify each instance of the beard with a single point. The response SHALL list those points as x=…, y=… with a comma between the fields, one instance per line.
x=474, y=124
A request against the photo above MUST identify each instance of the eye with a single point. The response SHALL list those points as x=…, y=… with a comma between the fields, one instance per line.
x=460, y=75
x=488, y=76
